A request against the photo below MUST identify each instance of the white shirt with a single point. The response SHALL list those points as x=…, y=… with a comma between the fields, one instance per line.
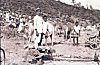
x=45, y=27
x=7, y=17
x=77, y=29
x=38, y=23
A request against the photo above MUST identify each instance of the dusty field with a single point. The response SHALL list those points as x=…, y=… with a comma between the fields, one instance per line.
x=14, y=48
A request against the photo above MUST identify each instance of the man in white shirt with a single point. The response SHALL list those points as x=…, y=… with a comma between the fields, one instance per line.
x=45, y=24
x=76, y=33
x=44, y=30
x=48, y=30
x=37, y=28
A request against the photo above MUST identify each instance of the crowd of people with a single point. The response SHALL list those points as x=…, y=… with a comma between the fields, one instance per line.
x=38, y=28
x=39, y=25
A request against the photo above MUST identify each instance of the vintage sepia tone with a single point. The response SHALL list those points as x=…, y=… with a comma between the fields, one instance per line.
x=49, y=32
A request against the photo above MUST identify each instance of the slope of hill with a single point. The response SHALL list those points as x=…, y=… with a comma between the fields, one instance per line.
x=51, y=7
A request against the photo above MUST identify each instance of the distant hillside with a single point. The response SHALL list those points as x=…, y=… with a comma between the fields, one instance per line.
x=52, y=7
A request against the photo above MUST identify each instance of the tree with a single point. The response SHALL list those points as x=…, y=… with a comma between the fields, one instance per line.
x=73, y=1
x=91, y=8
x=87, y=6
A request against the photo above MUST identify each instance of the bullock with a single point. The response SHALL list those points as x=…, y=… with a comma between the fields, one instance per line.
x=26, y=28
x=58, y=29
x=68, y=30
x=29, y=30
x=50, y=32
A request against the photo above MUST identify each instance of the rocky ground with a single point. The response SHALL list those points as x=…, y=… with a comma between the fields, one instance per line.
x=14, y=49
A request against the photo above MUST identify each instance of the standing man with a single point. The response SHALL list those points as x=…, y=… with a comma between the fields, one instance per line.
x=48, y=30
x=76, y=33
x=45, y=29
x=37, y=28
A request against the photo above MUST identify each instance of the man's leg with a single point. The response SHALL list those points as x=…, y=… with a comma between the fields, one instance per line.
x=51, y=36
x=68, y=34
x=46, y=40
x=36, y=43
x=41, y=37
x=77, y=41
x=37, y=40
x=65, y=34
x=73, y=40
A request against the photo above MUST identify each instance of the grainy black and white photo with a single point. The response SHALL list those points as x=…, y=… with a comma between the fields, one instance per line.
x=49, y=32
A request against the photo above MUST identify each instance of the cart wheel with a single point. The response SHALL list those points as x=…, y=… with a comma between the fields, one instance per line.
x=2, y=57
x=95, y=46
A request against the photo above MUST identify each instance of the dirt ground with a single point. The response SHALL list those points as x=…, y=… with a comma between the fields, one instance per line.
x=14, y=49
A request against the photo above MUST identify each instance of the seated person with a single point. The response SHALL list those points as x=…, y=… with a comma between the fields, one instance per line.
x=97, y=34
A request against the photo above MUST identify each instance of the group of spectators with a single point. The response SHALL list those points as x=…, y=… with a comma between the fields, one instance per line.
x=41, y=26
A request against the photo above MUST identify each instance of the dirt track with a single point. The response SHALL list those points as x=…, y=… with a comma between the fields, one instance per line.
x=14, y=48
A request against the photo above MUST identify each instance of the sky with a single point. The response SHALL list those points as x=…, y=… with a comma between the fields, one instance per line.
x=95, y=3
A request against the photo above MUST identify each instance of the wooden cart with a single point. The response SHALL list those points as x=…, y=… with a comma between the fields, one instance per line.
x=94, y=43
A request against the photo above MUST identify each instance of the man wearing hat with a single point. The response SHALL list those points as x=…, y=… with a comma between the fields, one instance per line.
x=37, y=28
